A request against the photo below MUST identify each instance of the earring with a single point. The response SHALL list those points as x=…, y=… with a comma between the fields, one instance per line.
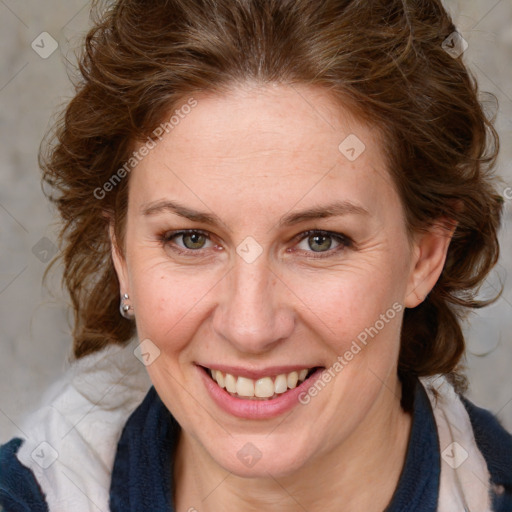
x=125, y=308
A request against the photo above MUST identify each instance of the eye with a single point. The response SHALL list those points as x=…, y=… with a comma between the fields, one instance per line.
x=193, y=240
x=190, y=241
x=186, y=240
x=323, y=242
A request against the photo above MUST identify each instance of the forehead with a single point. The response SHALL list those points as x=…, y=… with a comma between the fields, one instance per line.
x=271, y=146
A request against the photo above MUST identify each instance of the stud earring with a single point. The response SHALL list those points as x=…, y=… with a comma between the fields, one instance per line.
x=124, y=308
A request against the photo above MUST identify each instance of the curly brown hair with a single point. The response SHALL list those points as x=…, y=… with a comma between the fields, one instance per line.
x=384, y=59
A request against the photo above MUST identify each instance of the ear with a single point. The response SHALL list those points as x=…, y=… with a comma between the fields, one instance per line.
x=118, y=260
x=429, y=255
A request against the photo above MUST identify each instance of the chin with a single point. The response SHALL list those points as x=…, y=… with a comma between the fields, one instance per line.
x=258, y=456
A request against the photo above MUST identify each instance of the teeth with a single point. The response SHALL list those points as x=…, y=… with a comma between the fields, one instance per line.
x=245, y=387
x=230, y=382
x=281, y=384
x=219, y=378
x=266, y=387
x=292, y=380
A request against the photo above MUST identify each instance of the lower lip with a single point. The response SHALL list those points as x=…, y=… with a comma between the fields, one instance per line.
x=256, y=409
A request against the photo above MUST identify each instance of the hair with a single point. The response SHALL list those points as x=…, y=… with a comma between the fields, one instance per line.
x=384, y=60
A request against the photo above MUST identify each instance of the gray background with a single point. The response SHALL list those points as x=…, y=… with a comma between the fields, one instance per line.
x=34, y=323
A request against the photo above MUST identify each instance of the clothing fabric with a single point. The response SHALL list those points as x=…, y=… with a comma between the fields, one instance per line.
x=114, y=443
x=77, y=429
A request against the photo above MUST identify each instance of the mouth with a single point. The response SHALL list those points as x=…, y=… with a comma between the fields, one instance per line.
x=264, y=388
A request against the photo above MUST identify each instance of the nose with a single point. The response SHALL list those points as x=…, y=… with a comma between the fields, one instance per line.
x=252, y=313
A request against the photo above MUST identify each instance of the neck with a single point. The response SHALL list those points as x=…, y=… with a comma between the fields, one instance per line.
x=373, y=456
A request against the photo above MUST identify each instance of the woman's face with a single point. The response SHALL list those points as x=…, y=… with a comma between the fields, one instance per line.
x=295, y=257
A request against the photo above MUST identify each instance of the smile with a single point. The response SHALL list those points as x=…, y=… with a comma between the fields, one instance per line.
x=257, y=394
x=264, y=388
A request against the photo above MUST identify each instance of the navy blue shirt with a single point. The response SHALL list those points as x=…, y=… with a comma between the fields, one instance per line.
x=143, y=467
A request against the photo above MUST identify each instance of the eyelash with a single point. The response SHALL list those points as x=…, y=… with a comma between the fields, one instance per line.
x=344, y=241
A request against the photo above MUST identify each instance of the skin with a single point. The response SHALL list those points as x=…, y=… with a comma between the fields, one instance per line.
x=251, y=157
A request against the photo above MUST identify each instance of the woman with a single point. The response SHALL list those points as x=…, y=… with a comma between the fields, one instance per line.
x=290, y=205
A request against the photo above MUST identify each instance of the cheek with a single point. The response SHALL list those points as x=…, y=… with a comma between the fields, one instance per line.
x=342, y=305
x=169, y=305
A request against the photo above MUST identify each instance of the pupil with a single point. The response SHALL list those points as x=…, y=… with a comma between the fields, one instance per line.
x=321, y=240
x=195, y=239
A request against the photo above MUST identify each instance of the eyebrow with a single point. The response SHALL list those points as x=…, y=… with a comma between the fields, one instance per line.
x=336, y=209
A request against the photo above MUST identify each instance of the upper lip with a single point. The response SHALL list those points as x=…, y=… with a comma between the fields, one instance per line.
x=257, y=373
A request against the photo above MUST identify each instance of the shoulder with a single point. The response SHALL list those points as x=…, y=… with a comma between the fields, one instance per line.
x=142, y=475
x=19, y=490
x=476, y=451
x=495, y=444
x=78, y=428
